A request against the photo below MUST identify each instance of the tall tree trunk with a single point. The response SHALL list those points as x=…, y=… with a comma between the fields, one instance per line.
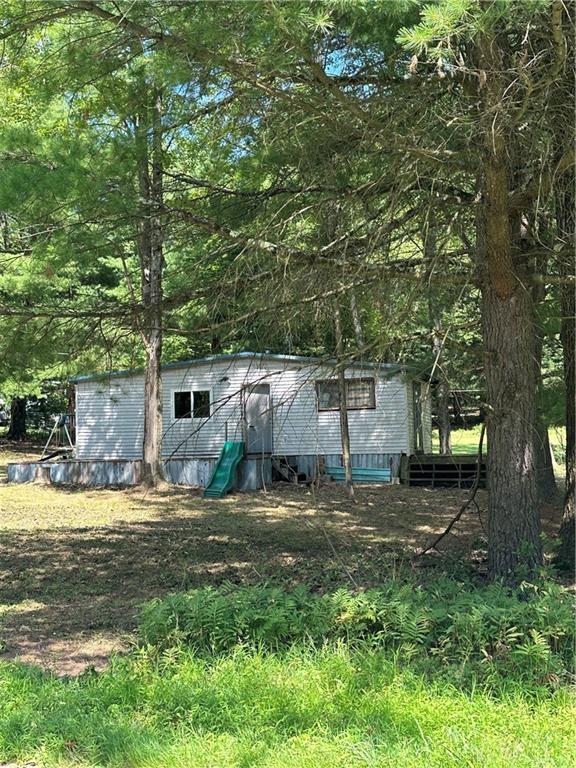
x=545, y=478
x=71, y=411
x=565, y=209
x=344, y=428
x=17, y=428
x=435, y=320
x=150, y=249
x=513, y=511
x=514, y=546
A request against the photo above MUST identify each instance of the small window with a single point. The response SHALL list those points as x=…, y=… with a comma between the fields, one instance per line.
x=360, y=394
x=328, y=395
x=202, y=404
x=182, y=405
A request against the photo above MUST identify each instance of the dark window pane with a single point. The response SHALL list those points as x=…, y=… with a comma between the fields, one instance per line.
x=182, y=405
x=328, y=396
x=360, y=393
x=202, y=404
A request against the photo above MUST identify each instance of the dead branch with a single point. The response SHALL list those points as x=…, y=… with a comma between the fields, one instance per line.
x=467, y=503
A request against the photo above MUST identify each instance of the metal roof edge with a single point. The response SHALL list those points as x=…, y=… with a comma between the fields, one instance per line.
x=125, y=373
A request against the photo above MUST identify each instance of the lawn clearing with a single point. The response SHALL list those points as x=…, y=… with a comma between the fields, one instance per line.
x=330, y=708
x=466, y=441
x=76, y=564
x=16, y=451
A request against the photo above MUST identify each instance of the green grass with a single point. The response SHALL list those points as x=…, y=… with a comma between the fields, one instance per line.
x=463, y=440
x=466, y=441
x=328, y=708
x=439, y=686
x=486, y=687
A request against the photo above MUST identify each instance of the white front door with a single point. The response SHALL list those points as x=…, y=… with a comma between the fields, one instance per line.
x=257, y=418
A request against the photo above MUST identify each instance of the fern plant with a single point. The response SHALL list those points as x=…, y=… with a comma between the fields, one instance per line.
x=478, y=630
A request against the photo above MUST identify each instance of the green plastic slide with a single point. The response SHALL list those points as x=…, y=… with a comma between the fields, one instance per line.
x=224, y=475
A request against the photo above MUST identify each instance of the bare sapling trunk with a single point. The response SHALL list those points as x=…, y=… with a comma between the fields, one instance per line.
x=443, y=411
x=566, y=218
x=150, y=248
x=514, y=546
x=545, y=480
x=356, y=322
x=343, y=397
x=437, y=335
x=563, y=29
x=567, y=552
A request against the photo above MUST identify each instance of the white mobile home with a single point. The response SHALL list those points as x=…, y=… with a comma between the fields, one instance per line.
x=278, y=405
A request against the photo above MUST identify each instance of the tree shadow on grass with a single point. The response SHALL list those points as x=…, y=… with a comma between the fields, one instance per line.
x=74, y=591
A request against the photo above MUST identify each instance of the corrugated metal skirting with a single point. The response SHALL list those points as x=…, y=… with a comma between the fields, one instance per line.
x=309, y=464
x=193, y=472
x=22, y=473
x=78, y=472
x=96, y=472
x=253, y=473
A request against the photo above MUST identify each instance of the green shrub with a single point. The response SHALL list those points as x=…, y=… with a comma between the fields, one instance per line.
x=528, y=633
x=215, y=620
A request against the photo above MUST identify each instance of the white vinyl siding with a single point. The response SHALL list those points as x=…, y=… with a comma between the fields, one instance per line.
x=110, y=418
x=110, y=411
x=300, y=429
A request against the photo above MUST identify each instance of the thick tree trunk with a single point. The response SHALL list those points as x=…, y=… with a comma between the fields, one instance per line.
x=513, y=514
x=17, y=428
x=151, y=269
x=514, y=546
x=344, y=428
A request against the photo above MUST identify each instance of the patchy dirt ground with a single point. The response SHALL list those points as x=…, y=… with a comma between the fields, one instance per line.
x=17, y=451
x=76, y=564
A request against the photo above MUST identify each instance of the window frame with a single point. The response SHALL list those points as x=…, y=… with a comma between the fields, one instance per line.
x=370, y=379
x=182, y=392
x=191, y=417
x=202, y=418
